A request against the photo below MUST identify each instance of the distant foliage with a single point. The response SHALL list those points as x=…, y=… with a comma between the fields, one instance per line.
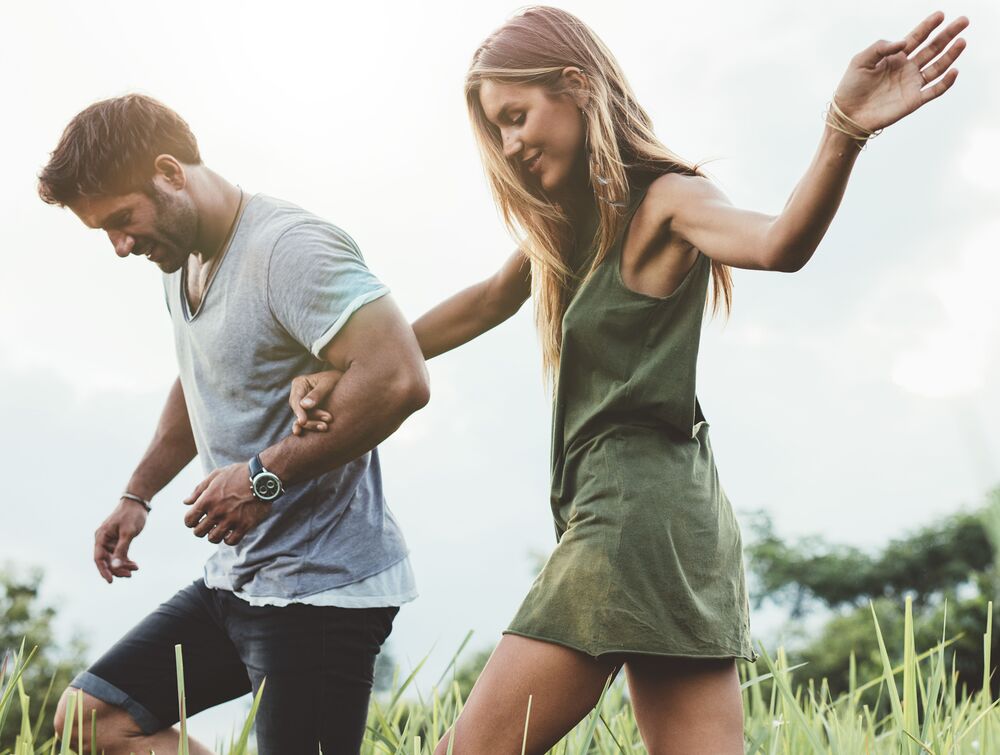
x=947, y=569
x=25, y=617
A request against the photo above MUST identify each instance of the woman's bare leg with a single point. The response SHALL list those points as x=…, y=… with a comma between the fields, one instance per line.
x=687, y=706
x=563, y=685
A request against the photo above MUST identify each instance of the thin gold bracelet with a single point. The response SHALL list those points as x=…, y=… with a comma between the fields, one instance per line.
x=838, y=120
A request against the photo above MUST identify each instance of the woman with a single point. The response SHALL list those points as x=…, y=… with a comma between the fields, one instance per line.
x=620, y=239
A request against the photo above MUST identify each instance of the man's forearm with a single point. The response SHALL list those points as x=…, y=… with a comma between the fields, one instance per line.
x=368, y=405
x=171, y=449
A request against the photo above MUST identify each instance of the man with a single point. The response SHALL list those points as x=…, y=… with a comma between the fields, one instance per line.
x=311, y=566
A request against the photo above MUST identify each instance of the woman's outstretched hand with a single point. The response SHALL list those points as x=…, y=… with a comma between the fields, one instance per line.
x=890, y=80
x=308, y=392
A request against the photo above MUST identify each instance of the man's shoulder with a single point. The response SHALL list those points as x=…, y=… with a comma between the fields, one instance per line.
x=283, y=225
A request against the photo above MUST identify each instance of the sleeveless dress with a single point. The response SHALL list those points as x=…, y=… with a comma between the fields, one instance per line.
x=648, y=557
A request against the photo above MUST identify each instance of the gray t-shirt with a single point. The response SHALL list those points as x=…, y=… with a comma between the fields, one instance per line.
x=284, y=288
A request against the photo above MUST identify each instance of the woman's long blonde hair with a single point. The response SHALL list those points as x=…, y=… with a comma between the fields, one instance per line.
x=534, y=47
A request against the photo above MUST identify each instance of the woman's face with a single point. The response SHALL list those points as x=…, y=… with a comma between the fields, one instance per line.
x=542, y=134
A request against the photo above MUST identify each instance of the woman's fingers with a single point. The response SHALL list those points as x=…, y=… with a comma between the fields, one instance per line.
x=318, y=393
x=872, y=55
x=942, y=64
x=940, y=87
x=301, y=385
x=937, y=45
x=316, y=424
x=923, y=30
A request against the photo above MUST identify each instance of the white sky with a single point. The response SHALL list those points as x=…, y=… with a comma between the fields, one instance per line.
x=855, y=399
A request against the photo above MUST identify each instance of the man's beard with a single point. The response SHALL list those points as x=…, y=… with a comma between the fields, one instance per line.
x=176, y=225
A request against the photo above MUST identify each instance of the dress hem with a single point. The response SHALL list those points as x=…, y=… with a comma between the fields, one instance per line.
x=752, y=658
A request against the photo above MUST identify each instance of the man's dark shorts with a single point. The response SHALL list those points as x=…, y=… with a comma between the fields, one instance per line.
x=318, y=660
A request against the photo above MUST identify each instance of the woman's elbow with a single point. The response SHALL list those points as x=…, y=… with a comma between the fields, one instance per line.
x=786, y=259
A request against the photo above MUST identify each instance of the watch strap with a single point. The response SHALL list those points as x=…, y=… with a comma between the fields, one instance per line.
x=256, y=466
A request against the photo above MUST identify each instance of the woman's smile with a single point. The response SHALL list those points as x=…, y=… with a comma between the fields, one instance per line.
x=532, y=164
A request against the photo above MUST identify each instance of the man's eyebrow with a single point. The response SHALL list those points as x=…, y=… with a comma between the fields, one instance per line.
x=115, y=218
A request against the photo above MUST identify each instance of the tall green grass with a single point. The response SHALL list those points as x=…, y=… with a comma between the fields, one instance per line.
x=928, y=711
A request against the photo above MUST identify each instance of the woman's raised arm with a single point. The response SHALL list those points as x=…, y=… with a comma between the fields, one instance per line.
x=883, y=84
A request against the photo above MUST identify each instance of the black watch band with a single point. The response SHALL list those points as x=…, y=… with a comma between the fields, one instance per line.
x=256, y=466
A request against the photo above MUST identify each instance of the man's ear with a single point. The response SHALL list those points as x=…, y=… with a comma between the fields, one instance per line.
x=169, y=169
x=576, y=85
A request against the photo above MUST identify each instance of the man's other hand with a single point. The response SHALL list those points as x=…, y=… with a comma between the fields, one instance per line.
x=224, y=507
x=113, y=537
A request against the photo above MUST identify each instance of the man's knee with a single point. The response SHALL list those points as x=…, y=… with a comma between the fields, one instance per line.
x=113, y=723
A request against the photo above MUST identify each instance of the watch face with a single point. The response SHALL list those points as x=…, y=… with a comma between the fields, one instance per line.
x=266, y=486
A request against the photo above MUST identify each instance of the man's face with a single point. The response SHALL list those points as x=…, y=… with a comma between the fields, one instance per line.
x=161, y=225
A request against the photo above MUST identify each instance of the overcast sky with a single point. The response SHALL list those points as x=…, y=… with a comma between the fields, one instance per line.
x=855, y=399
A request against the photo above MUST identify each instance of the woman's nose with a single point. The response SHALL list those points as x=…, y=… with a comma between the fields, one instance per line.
x=512, y=144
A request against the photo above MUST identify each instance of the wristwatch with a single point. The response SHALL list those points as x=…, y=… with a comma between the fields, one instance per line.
x=266, y=486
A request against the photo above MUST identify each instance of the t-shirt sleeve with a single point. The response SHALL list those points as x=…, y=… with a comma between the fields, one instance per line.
x=316, y=280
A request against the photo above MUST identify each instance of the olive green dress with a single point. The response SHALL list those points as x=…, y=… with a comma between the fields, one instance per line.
x=649, y=556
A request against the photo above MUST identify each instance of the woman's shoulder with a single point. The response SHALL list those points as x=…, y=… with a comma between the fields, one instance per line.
x=672, y=194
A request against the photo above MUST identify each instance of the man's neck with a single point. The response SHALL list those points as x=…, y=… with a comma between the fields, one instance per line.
x=218, y=203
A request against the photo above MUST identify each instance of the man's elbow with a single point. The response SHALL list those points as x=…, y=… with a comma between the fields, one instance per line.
x=411, y=390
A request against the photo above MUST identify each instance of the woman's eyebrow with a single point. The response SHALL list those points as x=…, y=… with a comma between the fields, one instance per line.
x=505, y=111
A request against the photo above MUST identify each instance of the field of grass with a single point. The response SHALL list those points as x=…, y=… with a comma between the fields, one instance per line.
x=926, y=712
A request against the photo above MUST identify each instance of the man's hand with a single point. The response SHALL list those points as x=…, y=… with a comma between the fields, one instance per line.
x=224, y=507
x=113, y=537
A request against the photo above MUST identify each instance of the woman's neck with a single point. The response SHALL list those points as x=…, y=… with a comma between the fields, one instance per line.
x=579, y=207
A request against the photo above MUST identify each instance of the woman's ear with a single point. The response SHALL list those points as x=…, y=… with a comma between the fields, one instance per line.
x=576, y=85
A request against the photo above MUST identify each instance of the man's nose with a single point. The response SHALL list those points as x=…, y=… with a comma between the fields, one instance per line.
x=122, y=242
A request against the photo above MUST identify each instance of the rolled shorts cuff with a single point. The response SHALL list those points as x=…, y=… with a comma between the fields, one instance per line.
x=110, y=694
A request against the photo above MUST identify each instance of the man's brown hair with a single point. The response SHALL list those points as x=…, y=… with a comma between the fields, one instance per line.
x=109, y=149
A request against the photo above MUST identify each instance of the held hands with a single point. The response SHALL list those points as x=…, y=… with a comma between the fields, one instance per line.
x=307, y=394
x=889, y=80
x=223, y=506
x=113, y=537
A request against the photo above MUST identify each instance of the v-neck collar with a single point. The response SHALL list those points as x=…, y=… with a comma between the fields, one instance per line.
x=190, y=316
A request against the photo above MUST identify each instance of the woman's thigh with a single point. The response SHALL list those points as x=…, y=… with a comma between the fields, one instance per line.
x=687, y=706
x=563, y=685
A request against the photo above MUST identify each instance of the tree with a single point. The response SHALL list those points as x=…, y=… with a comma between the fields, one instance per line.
x=25, y=617
x=925, y=565
x=947, y=568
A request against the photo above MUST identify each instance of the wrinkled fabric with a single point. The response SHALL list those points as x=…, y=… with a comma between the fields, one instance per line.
x=649, y=556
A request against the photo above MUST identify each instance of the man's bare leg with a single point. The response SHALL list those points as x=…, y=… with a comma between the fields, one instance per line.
x=117, y=732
